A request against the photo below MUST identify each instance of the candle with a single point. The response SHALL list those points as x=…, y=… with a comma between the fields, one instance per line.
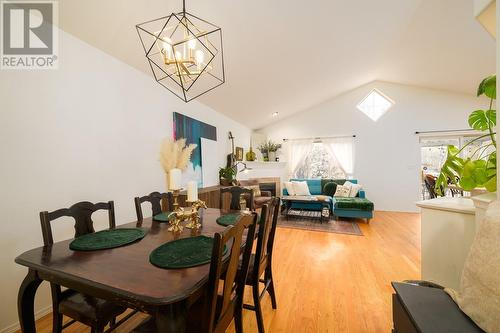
x=175, y=179
x=192, y=191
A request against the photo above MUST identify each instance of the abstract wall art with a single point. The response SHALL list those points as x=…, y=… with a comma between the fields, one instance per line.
x=193, y=130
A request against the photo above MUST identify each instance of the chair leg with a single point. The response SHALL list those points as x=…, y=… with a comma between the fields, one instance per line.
x=57, y=322
x=112, y=323
x=258, y=309
x=270, y=289
x=238, y=321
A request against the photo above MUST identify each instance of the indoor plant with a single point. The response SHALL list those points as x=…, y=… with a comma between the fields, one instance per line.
x=227, y=176
x=268, y=150
x=175, y=154
x=479, y=170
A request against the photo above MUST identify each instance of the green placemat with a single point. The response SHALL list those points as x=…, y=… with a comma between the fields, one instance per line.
x=183, y=253
x=107, y=239
x=228, y=219
x=162, y=217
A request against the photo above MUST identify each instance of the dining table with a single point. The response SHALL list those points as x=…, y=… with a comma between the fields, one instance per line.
x=123, y=275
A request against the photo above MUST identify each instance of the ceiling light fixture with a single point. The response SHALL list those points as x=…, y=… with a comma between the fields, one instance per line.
x=184, y=53
x=275, y=114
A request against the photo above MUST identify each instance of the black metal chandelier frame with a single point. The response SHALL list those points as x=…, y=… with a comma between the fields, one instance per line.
x=184, y=20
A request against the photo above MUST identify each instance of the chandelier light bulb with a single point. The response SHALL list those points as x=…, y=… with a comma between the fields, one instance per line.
x=199, y=57
x=166, y=47
x=192, y=44
x=178, y=56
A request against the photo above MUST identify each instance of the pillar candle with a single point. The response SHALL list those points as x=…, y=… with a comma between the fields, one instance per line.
x=192, y=188
x=175, y=179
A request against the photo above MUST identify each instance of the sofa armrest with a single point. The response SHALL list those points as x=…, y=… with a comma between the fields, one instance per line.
x=362, y=194
x=266, y=194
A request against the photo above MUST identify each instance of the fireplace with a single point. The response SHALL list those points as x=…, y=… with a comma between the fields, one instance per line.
x=271, y=187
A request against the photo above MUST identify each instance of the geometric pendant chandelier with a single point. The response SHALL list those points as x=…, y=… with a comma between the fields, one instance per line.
x=184, y=53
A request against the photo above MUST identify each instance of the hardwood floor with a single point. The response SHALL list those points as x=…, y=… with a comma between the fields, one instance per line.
x=328, y=282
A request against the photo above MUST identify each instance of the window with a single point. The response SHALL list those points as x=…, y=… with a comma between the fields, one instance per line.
x=375, y=104
x=434, y=150
x=319, y=163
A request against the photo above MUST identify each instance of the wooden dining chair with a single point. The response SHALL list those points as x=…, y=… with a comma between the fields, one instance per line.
x=91, y=311
x=237, y=193
x=155, y=199
x=222, y=300
x=229, y=275
x=261, y=261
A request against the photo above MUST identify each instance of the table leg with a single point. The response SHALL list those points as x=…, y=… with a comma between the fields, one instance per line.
x=172, y=318
x=25, y=301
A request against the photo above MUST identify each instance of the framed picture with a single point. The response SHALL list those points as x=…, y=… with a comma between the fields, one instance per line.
x=239, y=153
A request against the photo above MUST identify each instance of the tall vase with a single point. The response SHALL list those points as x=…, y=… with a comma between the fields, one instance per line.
x=272, y=156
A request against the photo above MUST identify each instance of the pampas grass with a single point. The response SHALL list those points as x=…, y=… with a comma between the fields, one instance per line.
x=175, y=154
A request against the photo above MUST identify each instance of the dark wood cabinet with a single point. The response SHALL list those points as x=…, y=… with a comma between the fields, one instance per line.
x=419, y=309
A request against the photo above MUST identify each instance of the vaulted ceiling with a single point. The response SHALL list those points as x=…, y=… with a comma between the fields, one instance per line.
x=285, y=56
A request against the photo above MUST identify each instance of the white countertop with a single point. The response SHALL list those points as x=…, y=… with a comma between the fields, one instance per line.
x=457, y=205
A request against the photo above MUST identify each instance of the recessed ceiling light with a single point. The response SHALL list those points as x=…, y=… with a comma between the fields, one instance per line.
x=275, y=114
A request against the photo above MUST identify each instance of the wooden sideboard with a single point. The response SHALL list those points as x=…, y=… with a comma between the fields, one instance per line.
x=211, y=194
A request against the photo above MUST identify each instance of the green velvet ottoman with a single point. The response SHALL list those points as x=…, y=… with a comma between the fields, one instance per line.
x=353, y=207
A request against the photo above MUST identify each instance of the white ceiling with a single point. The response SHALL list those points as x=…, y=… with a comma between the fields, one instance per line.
x=285, y=56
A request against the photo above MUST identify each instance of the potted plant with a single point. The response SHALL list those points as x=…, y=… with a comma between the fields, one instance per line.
x=227, y=176
x=480, y=169
x=268, y=150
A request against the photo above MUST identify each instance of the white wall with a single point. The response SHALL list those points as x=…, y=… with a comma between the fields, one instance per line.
x=387, y=154
x=88, y=131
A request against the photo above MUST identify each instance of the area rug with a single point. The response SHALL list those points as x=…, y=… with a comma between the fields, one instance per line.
x=339, y=227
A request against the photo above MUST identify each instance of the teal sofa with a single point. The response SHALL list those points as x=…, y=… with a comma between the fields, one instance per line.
x=358, y=207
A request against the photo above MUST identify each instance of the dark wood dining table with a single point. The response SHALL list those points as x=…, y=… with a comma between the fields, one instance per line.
x=123, y=275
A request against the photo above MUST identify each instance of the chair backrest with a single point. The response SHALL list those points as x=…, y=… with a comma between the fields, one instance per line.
x=82, y=213
x=155, y=199
x=237, y=193
x=224, y=269
x=265, y=238
x=430, y=183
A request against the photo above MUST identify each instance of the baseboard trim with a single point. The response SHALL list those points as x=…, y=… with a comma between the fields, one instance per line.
x=38, y=314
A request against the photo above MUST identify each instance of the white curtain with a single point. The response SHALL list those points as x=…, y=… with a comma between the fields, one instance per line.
x=296, y=151
x=342, y=149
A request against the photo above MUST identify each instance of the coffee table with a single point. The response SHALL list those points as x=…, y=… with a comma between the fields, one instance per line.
x=303, y=213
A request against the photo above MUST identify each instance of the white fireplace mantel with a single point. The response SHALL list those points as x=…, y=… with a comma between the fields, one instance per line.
x=264, y=169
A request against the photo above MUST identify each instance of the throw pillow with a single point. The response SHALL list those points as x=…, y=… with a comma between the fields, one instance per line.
x=479, y=292
x=289, y=188
x=343, y=190
x=354, y=189
x=255, y=189
x=301, y=188
x=330, y=188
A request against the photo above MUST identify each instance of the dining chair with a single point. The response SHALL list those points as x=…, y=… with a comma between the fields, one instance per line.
x=222, y=300
x=261, y=261
x=228, y=275
x=155, y=199
x=91, y=311
x=236, y=194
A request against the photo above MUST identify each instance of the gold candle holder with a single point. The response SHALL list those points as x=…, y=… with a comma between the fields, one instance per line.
x=194, y=215
x=177, y=216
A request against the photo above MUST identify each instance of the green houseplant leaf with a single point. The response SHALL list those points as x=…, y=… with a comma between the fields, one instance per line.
x=478, y=170
x=482, y=120
x=488, y=87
